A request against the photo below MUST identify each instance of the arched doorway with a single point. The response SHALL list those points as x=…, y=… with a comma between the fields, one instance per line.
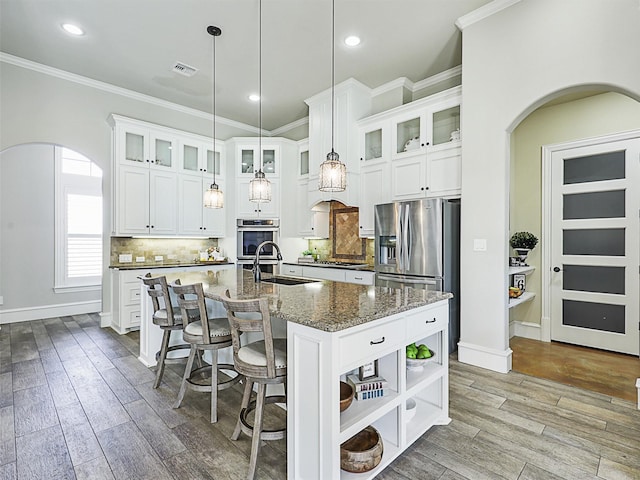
x=570, y=116
x=50, y=233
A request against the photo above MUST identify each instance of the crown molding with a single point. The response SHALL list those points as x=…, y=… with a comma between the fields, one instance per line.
x=107, y=87
x=437, y=78
x=401, y=82
x=483, y=12
x=290, y=126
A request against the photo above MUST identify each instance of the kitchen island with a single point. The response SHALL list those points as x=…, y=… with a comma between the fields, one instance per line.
x=332, y=329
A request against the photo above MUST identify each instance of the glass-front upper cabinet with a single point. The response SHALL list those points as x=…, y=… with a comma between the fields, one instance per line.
x=409, y=133
x=373, y=140
x=445, y=125
x=198, y=158
x=250, y=161
x=149, y=147
x=303, y=158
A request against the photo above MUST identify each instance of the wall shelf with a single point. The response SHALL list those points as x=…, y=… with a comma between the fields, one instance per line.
x=525, y=297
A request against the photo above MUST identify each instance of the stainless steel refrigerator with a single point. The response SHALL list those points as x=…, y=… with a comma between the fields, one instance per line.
x=417, y=244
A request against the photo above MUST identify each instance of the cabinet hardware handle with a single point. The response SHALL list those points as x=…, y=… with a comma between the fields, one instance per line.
x=147, y=226
x=357, y=278
x=431, y=321
x=378, y=342
x=421, y=188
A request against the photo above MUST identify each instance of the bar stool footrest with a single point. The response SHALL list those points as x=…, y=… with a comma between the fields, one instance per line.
x=200, y=378
x=171, y=360
x=265, y=434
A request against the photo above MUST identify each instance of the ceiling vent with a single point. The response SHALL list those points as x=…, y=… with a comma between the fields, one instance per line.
x=184, y=69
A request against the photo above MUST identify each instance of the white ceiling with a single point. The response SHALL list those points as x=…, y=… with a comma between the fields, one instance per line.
x=134, y=43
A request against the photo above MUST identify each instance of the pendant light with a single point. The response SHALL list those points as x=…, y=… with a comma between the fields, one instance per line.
x=333, y=173
x=213, y=197
x=260, y=186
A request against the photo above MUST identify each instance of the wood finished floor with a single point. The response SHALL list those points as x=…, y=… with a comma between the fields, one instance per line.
x=613, y=374
x=76, y=403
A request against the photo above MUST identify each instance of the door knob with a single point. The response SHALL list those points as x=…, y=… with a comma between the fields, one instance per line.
x=557, y=269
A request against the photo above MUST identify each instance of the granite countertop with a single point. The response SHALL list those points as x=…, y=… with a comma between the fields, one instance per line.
x=324, y=305
x=165, y=264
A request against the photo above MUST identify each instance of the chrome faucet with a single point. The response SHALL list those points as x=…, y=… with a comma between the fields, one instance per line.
x=256, y=261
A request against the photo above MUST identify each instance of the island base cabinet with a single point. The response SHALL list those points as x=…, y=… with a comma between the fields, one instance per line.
x=318, y=360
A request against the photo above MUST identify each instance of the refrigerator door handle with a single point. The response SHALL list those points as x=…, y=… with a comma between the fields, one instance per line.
x=407, y=237
x=399, y=245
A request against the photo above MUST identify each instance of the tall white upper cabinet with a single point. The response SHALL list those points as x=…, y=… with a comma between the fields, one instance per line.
x=352, y=102
x=159, y=178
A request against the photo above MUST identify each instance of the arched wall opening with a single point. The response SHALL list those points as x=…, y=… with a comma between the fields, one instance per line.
x=575, y=113
x=28, y=226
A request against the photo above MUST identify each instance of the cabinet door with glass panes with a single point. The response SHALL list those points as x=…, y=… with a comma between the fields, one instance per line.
x=374, y=141
x=444, y=123
x=250, y=161
x=303, y=158
x=198, y=158
x=139, y=145
x=409, y=133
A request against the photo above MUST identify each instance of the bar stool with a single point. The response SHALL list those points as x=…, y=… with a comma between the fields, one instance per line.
x=263, y=362
x=203, y=333
x=169, y=320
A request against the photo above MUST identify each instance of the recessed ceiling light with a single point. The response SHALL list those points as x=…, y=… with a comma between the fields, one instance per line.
x=352, y=41
x=72, y=29
x=254, y=97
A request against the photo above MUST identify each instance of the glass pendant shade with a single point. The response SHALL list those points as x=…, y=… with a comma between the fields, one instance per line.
x=259, y=188
x=213, y=197
x=333, y=174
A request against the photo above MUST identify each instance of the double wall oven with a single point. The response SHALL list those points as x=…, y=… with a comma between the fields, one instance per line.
x=251, y=233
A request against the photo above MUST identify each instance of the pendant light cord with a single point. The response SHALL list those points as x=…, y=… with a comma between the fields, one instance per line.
x=260, y=87
x=333, y=67
x=213, y=94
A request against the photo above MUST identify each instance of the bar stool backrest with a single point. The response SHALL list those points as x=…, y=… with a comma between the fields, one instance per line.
x=193, y=307
x=251, y=315
x=158, y=290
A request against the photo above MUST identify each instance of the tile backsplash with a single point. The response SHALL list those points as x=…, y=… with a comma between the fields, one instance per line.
x=351, y=242
x=180, y=250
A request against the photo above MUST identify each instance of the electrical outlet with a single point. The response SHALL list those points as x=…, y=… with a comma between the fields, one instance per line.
x=158, y=258
x=125, y=258
x=479, y=244
x=140, y=259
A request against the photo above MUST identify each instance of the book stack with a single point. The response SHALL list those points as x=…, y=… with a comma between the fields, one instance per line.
x=374, y=387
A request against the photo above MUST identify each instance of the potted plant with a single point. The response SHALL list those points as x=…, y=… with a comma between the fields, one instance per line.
x=523, y=243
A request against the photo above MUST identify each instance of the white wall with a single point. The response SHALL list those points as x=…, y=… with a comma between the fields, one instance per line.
x=514, y=61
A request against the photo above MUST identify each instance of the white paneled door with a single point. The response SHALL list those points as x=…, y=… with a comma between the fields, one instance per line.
x=595, y=246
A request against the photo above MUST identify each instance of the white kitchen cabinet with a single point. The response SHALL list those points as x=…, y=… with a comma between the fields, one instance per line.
x=374, y=189
x=311, y=222
x=197, y=157
x=248, y=209
x=303, y=158
x=158, y=173
x=436, y=172
x=125, y=308
x=251, y=161
x=193, y=218
x=146, y=201
x=139, y=143
x=318, y=360
x=362, y=277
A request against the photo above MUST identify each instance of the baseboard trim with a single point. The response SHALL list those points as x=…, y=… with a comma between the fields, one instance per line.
x=496, y=360
x=49, y=311
x=105, y=319
x=525, y=330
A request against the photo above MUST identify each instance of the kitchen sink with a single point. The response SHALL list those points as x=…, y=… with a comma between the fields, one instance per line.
x=287, y=280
